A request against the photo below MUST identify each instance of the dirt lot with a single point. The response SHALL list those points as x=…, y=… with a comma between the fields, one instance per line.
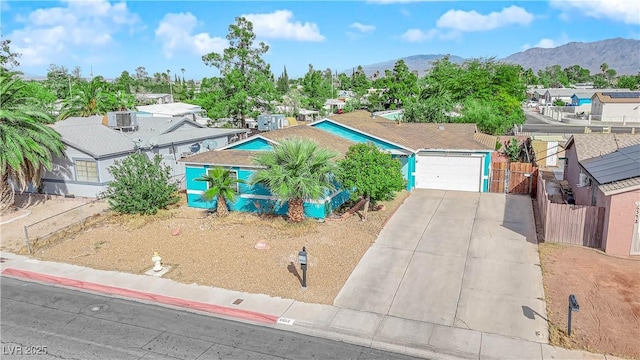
x=608, y=291
x=36, y=212
x=221, y=252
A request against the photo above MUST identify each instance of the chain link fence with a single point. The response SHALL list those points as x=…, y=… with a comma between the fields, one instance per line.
x=62, y=224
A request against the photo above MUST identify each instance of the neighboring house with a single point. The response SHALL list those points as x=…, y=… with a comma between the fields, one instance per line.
x=433, y=156
x=307, y=115
x=93, y=144
x=562, y=94
x=333, y=105
x=174, y=109
x=616, y=106
x=154, y=98
x=238, y=157
x=604, y=170
x=581, y=99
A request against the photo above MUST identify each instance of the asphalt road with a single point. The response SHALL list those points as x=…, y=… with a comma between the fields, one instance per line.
x=535, y=125
x=55, y=323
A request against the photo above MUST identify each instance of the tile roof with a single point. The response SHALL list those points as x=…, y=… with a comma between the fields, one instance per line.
x=604, y=97
x=223, y=157
x=594, y=144
x=416, y=136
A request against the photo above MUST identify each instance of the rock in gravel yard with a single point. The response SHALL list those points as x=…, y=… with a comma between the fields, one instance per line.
x=177, y=231
x=262, y=245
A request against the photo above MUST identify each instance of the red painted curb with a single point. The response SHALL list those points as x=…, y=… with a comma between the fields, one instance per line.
x=134, y=294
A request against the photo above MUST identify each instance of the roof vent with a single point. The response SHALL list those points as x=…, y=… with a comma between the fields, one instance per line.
x=441, y=128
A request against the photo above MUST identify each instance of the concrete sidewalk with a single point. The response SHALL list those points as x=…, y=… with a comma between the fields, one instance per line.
x=417, y=338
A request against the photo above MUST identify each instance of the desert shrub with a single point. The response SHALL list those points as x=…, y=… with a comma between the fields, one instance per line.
x=140, y=186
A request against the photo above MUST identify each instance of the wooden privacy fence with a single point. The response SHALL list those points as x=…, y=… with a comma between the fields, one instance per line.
x=570, y=224
x=514, y=178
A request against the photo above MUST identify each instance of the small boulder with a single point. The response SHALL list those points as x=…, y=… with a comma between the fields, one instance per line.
x=262, y=245
x=177, y=231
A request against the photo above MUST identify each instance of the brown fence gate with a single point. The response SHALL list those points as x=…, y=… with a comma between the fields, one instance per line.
x=514, y=178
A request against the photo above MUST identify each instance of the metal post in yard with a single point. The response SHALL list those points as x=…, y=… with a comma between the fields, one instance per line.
x=26, y=239
x=507, y=175
x=81, y=219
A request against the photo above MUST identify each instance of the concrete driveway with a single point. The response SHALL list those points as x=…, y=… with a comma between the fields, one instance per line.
x=459, y=259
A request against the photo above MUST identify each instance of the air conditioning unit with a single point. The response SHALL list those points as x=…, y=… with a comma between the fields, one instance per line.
x=122, y=120
x=583, y=180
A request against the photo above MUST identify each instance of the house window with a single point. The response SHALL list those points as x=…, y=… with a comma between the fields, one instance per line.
x=233, y=175
x=86, y=171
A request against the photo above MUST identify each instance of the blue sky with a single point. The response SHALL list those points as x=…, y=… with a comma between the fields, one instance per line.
x=109, y=37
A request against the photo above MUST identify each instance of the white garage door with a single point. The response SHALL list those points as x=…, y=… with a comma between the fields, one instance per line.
x=462, y=173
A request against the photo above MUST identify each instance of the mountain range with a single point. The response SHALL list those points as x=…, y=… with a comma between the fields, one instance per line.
x=622, y=55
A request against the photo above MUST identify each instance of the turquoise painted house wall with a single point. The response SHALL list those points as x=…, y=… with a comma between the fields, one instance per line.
x=486, y=172
x=352, y=135
x=577, y=101
x=253, y=198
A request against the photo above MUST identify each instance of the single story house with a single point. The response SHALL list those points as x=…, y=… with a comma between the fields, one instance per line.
x=434, y=156
x=238, y=157
x=616, y=106
x=333, y=105
x=174, y=109
x=561, y=94
x=154, y=98
x=93, y=144
x=604, y=170
x=583, y=97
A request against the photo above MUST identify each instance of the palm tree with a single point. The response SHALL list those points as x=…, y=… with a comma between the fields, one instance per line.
x=296, y=170
x=88, y=99
x=222, y=187
x=27, y=144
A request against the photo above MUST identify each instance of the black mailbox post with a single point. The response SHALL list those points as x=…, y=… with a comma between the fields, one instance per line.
x=302, y=259
x=573, y=306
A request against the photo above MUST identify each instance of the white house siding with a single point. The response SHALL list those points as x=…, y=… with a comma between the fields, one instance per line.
x=62, y=180
x=620, y=112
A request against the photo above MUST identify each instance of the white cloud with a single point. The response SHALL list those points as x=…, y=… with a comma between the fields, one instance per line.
x=417, y=35
x=362, y=27
x=547, y=43
x=626, y=11
x=279, y=25
x=469, y=21
x=52, y=34
x=175, y=33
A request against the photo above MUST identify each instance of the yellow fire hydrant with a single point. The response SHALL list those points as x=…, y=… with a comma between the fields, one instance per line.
x=157, y=261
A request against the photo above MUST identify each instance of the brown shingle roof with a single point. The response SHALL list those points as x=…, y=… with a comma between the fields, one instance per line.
x=620, y=186
x=230, y=157
x=322, y=138
x=608, y=99
x=416, y=136
x=591, y=145
x=223, y=157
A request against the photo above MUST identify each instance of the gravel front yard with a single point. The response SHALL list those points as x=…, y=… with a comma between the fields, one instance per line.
x=608, y=291
x=221, y=252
